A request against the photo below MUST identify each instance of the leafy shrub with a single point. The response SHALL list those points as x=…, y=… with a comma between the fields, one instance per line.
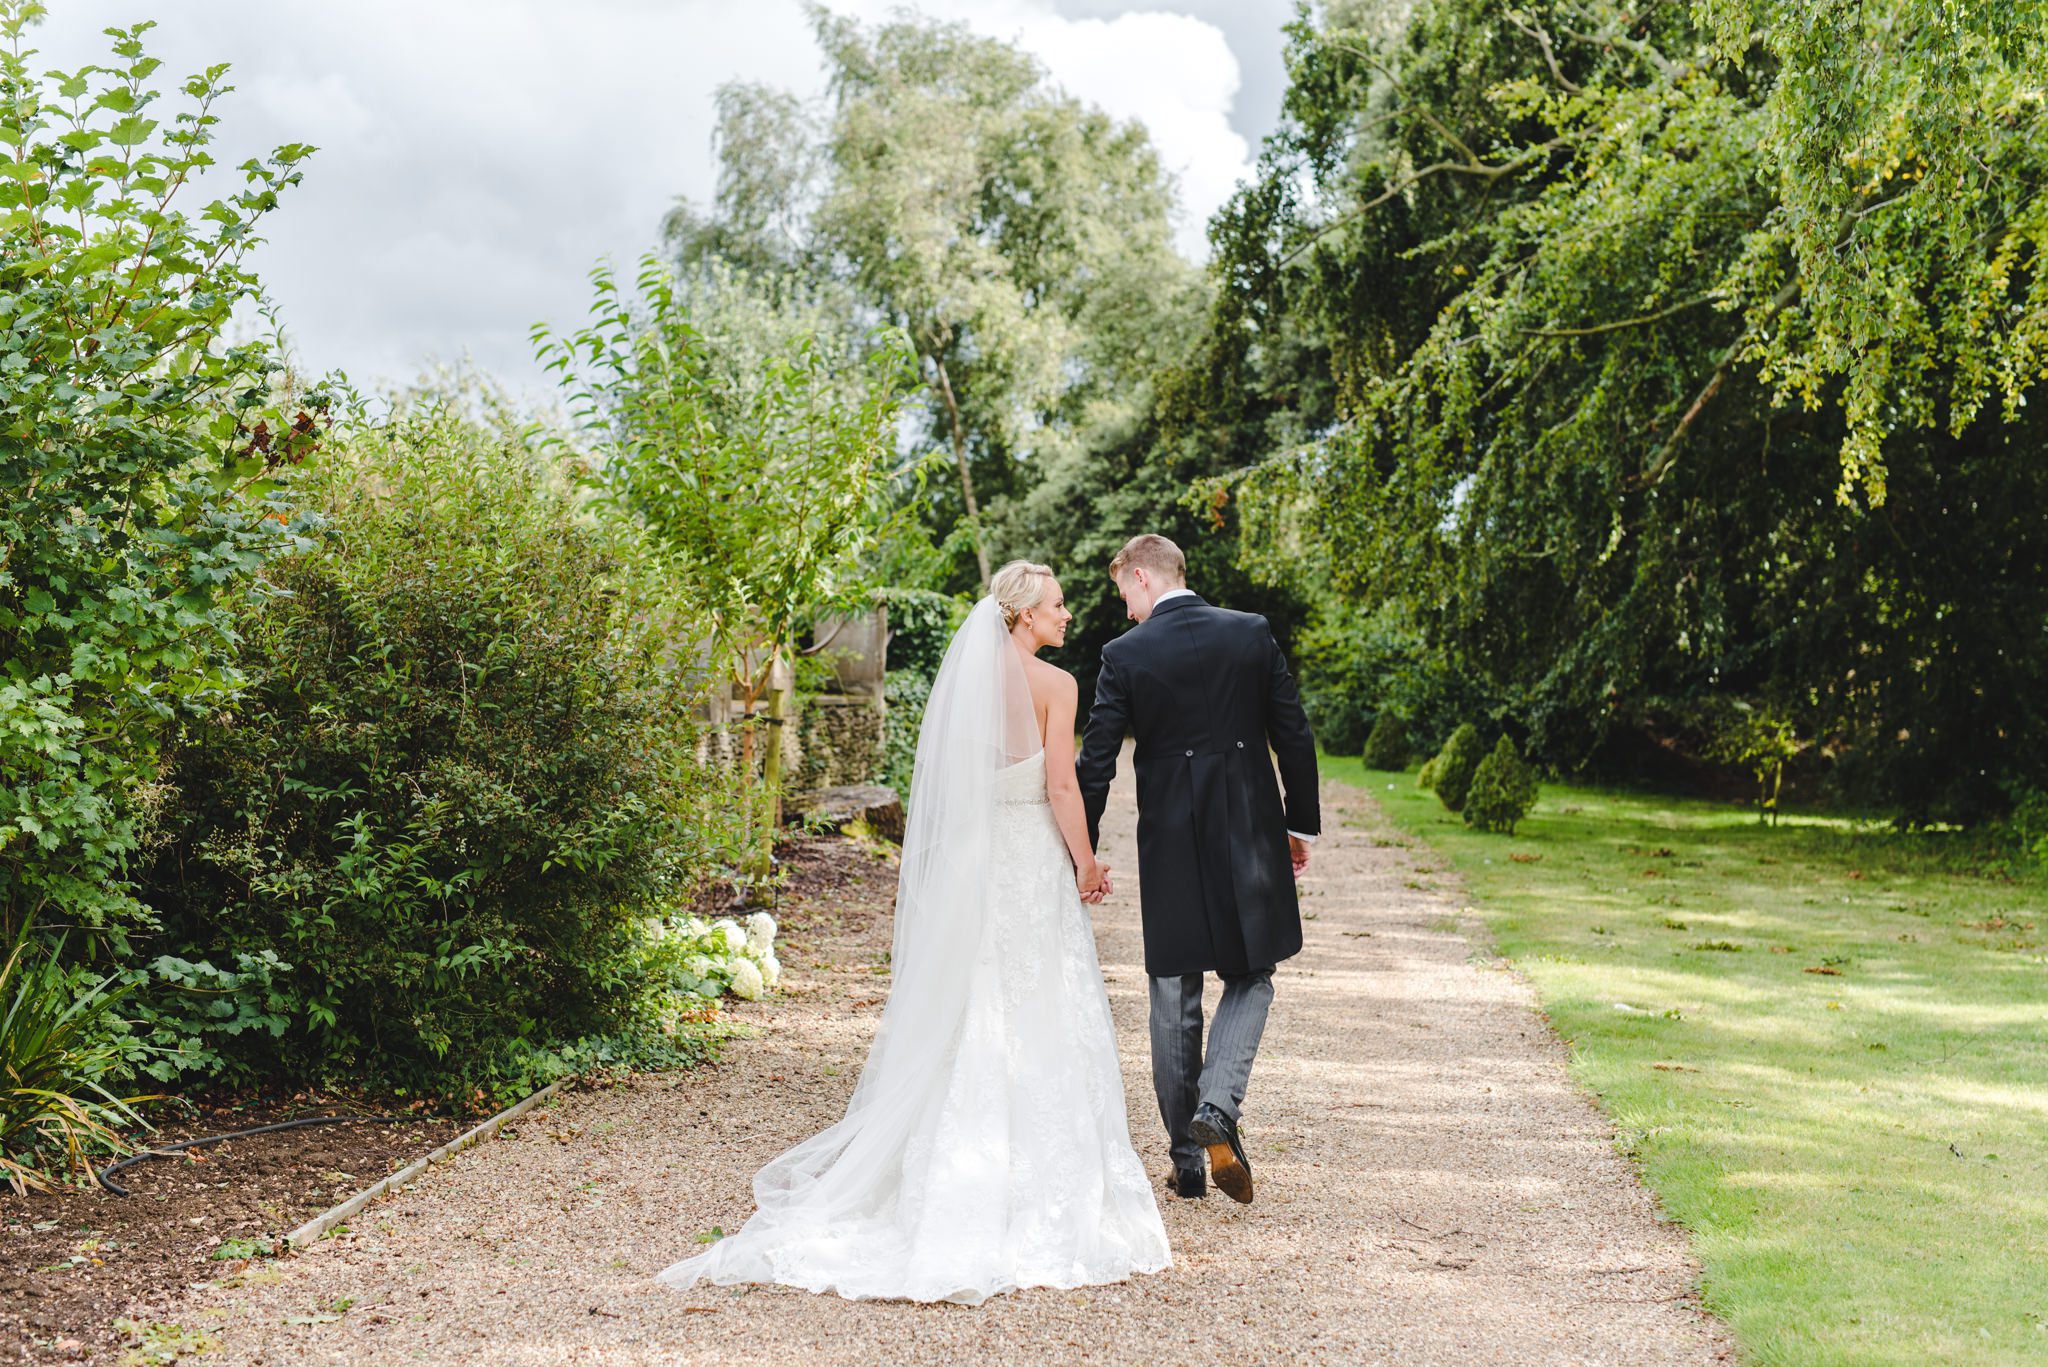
x=2028, y=823
x=1425, y=778
x=1352, y=668
x=462, y=773
x=184, y=1016
x=1502, y=792
x=137, y=460
x=921, y=626
x=1456, y=763
x=688, y=958
x=1387, y=746
x=1758, y=740
x=1335, y=718
x=751, y=443
x=906, y=691
x=55, y=1109
x=682, y=965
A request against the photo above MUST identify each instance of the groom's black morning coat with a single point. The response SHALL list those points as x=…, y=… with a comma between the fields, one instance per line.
x=1205, y=691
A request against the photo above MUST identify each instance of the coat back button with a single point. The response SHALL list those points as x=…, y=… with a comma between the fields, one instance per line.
x=1191, y=754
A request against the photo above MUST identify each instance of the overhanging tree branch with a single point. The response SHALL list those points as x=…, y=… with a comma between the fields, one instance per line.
x=1487, y=171
x=1620, y=323
x=1667, y=454
x=1614, y=37
x=1542, y=38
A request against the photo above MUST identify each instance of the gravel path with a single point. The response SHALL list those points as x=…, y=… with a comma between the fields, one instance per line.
x=1430, y=1186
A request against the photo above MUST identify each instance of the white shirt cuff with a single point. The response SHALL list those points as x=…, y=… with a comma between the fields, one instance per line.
x=1304, y=839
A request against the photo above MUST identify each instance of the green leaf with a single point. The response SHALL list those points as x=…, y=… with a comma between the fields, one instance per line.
x=132, y=131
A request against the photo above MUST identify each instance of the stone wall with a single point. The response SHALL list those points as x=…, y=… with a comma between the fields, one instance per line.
x=832, y=739
x=839, y=740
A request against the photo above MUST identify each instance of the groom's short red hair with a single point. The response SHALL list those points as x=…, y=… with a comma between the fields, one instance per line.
x=1153, y=554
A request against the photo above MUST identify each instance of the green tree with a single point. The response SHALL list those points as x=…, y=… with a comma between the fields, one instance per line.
x=1590, y=407
x=754, y=452
x=139, y=457
x=1906, y=145
x=1020, y=238
x=1759, y=741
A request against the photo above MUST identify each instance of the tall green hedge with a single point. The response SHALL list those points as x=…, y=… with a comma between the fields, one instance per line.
x=907, y=692
x=463, y=769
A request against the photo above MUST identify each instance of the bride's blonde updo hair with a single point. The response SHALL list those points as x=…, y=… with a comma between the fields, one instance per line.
x=1018, y=586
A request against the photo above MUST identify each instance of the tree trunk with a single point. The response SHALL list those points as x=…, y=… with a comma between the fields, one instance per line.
x=960, y=460
x=747, y=769
x=771, y=763
x=760, y=858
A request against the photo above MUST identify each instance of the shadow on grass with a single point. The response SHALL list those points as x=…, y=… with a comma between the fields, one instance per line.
x=1824, y=1043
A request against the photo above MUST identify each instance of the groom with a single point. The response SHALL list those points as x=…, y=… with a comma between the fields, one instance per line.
x=1205, y=692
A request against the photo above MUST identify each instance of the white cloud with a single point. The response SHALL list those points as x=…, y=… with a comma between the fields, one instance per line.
x=1182, y=92
x=1174, y=73
x=478, y=156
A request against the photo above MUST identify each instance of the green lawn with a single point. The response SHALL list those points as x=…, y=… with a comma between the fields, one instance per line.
x=1860, y=1152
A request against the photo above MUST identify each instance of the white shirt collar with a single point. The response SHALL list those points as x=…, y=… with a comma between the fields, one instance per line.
x=1172, y=593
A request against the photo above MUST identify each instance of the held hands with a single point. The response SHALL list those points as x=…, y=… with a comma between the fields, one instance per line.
x=1093, y=882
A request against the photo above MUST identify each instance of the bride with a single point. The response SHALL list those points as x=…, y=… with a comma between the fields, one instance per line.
x=986, y=1146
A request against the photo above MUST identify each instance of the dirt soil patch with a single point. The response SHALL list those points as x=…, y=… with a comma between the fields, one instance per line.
x=73, y=1263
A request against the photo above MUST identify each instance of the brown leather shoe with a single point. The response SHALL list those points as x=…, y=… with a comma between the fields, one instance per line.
x=1228, y=1167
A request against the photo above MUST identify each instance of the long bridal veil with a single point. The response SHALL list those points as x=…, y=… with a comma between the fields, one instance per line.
x=866, y=1198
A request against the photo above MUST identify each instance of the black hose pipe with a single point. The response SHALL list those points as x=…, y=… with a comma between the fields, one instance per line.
x=105, y=1174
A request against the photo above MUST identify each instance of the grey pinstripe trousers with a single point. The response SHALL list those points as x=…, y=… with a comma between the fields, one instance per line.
x=1181, y=1076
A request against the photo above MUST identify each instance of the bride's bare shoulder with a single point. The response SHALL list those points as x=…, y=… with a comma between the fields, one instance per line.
x=1048, y=680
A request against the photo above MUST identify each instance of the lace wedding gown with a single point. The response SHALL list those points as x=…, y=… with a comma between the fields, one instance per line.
x=986, y=1147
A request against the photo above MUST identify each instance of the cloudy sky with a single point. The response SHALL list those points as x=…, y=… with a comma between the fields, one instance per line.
x=477, y=156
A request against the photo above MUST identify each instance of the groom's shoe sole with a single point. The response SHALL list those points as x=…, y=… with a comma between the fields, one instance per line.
x=1227, y=1166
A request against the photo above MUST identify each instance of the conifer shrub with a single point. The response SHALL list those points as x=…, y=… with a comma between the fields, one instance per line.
x=1387, y=746
x=1502, y=792
x=1456, y=763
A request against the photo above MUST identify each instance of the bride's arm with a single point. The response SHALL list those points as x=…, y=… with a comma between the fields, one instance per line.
x=1063, y=788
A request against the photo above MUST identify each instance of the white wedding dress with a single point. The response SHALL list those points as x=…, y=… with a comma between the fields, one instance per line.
x=986, y=1147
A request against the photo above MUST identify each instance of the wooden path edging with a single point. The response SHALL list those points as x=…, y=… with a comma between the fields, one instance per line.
x=323, y=1224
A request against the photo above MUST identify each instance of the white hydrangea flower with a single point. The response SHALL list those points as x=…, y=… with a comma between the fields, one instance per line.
x=771, y=970
x=697, y=966
x=735, y=938
x=760, y=933
x=747, y=982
